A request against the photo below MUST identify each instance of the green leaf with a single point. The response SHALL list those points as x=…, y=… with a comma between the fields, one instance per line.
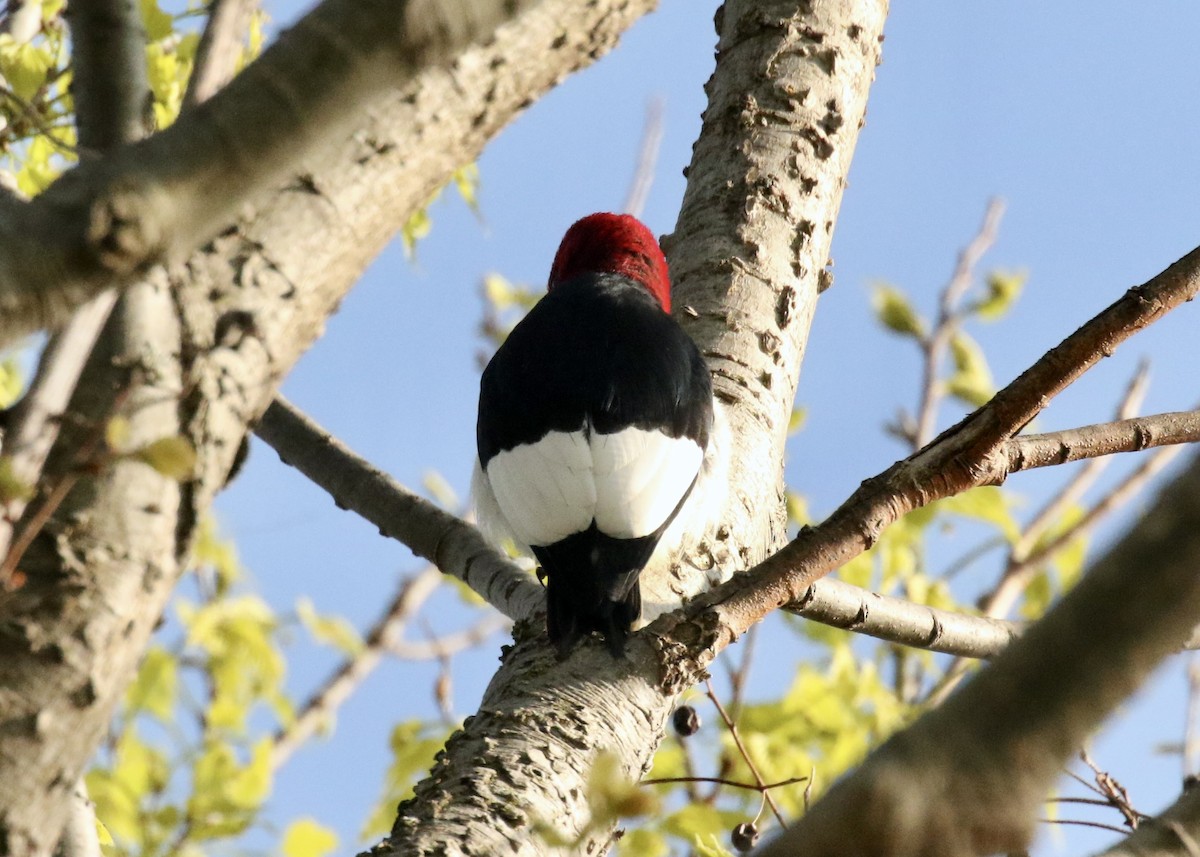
x=12, y=487
x=710, y=845
x=701, y=821
x=158, y=23
x=154, y=688
x=440, y=490
x=244, y=663
x=414, y=745
x=12, y=381
x=894, y=311
x=796, y=420
x=797, y=508
x=331, y=630
x=25, y=65
x=972, y=380
x=174, y=457
x=987, y=503
x=214, y=552
x=1004, y=287
x=643, y=843
x=466, y=179
x=306, y=838
x=226, y=795
x=1037, y=596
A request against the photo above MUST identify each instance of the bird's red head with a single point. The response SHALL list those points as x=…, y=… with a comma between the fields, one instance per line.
x=613, y=244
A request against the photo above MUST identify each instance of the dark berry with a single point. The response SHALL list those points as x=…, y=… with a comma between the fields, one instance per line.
x=686, y=721
x=744, y=836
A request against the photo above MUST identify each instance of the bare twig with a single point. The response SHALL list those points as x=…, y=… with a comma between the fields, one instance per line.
x=1132, y=435
x=1085, y=477
x=754, y=787
x=453, y=545
x=382, y=638
x=643, y=176
x=969, y=454
x=737, y=740
x=949, y=319
x=219, y=48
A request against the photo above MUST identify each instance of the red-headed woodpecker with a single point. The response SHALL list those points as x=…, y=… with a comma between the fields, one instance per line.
x=594, y=417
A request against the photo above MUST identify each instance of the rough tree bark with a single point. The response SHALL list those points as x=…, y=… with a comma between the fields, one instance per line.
x=237, y=315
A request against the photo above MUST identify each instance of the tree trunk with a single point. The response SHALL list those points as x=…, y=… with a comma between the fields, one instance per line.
x=748, y=257
x=204, y=360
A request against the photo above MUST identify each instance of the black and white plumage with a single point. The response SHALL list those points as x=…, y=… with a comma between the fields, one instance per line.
x=594, y=417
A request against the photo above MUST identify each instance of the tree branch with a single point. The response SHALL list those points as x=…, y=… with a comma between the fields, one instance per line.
x=383, y=638
x=106, y=221
x=219, y=49
x=1133, y=435
x=1175, y=832
x=969, y=454
x=249, y=304
x=834, y=602
x=950, y=320
x=448, y=542
x=748, y=256
x=968, y=777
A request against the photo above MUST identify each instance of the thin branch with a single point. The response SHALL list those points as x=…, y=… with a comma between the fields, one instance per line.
x=896, y=620
x=971, y=453
x=1131, y=435
x=450, y=543
x=449, y=644
x=737, y=740
x=1172, y=833
x=1085, y=477
x=1000, y=601
x=643, y=176
x=219, y=49
x=950, y=319
x=336, y=689
x=36, y=418
x=724, y=782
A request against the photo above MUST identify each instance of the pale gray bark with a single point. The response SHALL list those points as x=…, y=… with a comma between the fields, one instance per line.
x=748, y=255
x=245, y=308
x=447, y=541
x=108, y=220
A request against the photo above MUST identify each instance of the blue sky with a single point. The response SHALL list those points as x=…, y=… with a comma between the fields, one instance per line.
x=1078, y=115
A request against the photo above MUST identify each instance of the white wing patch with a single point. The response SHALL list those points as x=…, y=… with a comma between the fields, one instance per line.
x=640, y=477
x=629, y=482
x=545, y=489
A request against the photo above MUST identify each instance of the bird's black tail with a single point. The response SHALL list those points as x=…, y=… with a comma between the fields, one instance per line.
x=592, y=585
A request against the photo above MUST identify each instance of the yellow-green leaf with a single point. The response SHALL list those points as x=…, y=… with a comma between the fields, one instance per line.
x=466, y=179
x=174, y=457
x=154, y=688
x=307, y=838
x=1004, y=287
x=12, y=487
x=158, y=23
x=117, y=433
x=643, y=843
x=972, y=380
x=12, y=381
x=895, y=312
x=332, y=630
